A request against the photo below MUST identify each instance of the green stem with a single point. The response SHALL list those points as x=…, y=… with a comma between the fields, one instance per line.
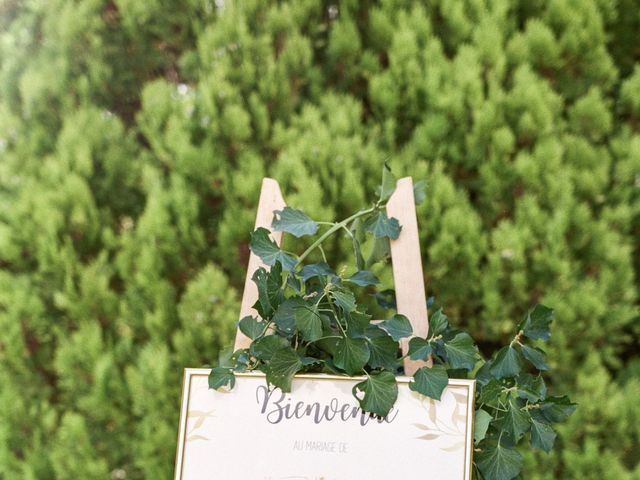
x=324, y=257
x=332, y=230
x=335, y=315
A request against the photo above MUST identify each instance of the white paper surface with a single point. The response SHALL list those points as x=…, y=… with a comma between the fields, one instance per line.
x=318, y=432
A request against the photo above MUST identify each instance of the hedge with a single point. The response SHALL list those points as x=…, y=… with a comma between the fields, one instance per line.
x=134, y=136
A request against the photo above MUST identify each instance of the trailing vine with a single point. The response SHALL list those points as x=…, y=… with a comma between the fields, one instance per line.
x=310, y=321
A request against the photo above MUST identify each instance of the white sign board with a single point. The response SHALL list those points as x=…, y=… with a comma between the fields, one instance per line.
x=318, y=432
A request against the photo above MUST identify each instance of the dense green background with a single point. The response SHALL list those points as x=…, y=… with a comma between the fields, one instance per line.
x=133, y=138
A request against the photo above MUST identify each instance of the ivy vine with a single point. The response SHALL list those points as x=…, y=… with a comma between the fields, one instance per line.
x=310, y=321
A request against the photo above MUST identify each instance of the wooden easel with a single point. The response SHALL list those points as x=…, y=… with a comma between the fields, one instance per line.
x=405, y=257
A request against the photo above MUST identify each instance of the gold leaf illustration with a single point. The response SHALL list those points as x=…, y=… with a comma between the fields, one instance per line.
x=461, y=398
x=458, y=418
x=454, y=447
x=422, y=427
x=199, y=416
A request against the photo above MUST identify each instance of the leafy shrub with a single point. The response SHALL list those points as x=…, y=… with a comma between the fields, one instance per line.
x=133, y=138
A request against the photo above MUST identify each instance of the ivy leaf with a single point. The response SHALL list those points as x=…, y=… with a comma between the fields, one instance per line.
x=293, y=221
x=507, y=363
x=388, y=183
x=378, y=393
x=357, y=253
x=357, y=324
x=490, y=393
x=419, y=192
x=308, y=321
x=345, y=300
x=438, y=323
x=269, y=292
x=536, y=325
x=284, y=364
x=264, y=348
x=383, y=349
x=515, y=422
x=240, y=359
x=535, y=356
x=357, y=229
x=542, y=436
x=386, y=299
x=481, y=423
x=221, y=377
x=225, y=358
x=268, y=251
x=461, y=351
x=251, y=327
x=307, y=361
x=328, y=345
x=363, y=278
x=483, y=375
x=430, y=382
x=284, y=317
x=398, y=327
x=531, y=387
x=382, y=226
x=497, y=462
x=357, y=236
x=295, y=284
x=419, y=348
x=352, y=354
x=557, y=409
x=315, y=270
x=381, y=251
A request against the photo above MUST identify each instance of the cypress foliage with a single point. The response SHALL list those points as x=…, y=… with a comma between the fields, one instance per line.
x=133, y=139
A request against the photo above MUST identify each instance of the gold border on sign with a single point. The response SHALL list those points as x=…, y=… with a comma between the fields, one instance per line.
x=453, y=382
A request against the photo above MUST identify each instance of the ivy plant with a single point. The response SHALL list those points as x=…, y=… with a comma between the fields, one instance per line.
x=310, y=321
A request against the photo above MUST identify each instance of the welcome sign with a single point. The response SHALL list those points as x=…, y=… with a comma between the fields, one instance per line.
x=318, y=432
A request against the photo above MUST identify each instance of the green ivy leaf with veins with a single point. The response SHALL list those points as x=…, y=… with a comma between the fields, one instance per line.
x=388, y=183
x=438, y=323
x=344, y=300
x=270, y=295
x=264, y=348
x=378, y=393
x=481, y=424
x=308, y=321
x=352, y=354
x=363, y=278
x=383, y=349
x=382, y=226
x=499, y=463
x=251, y=327
x=221, y=377
x=542, y=436
x=430, y=381
x=419, y=348
x=461, y=351
x=507, y=363
x=516, y=421
x=293, y=221
x=397, y=327
x=268, y=251
x=284, y=364
x=536, y=324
